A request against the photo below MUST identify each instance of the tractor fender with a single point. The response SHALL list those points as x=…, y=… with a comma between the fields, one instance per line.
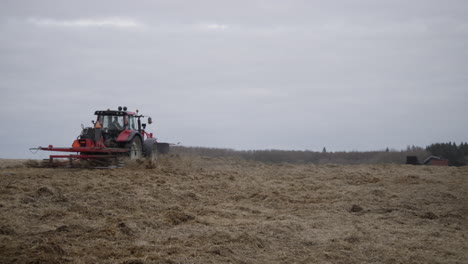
x=127, y=135
x=149, y=146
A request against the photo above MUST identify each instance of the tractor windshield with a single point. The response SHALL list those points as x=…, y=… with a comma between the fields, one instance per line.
x=112, y=122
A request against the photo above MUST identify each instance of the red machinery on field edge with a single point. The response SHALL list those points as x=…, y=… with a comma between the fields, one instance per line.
x=116, y=133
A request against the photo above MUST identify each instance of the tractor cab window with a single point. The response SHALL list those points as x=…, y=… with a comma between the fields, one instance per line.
x=111, y=122
x=131, y=122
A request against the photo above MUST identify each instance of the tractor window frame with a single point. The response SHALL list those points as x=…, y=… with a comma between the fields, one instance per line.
x=131, y=122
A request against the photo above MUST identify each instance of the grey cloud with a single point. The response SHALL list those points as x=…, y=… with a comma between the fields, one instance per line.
x=256, y=74
x=88, y=22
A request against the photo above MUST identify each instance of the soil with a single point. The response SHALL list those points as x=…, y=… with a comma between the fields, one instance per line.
x=211, y=210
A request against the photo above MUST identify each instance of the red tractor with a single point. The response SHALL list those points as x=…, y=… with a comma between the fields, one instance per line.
x=115, y=133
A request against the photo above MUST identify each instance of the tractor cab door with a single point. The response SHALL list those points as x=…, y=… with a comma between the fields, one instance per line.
x=131, y=124
x=112, y=126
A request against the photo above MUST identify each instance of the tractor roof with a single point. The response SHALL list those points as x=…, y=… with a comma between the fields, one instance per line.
x=113, y=113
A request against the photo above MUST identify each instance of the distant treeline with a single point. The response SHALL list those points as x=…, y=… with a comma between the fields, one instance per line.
x=456, y=155
x=296, y=156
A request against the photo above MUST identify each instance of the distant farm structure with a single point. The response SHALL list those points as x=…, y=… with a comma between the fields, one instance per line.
x=436, y=161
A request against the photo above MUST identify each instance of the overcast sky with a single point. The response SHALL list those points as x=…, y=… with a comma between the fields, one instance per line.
x=345, y=75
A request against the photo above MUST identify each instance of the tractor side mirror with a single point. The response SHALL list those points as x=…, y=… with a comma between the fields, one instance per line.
x=150, y=120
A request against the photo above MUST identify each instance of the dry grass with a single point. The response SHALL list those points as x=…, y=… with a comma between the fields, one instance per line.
x=210, y=210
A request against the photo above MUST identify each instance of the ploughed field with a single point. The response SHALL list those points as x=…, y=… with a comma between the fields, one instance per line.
x=206, y=210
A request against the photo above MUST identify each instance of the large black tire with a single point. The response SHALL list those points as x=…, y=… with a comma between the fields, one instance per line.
x=151, y=149
x=136, y=150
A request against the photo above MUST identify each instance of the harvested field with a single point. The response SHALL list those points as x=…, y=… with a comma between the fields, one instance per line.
x=211, y=210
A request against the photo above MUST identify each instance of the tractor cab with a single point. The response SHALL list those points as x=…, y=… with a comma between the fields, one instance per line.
x=111, y=120
x=117, y=127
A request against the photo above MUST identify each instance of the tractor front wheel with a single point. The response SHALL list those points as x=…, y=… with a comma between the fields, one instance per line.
x=135, y=148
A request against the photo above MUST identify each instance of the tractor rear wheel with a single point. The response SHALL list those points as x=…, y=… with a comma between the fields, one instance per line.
x=135, y=148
